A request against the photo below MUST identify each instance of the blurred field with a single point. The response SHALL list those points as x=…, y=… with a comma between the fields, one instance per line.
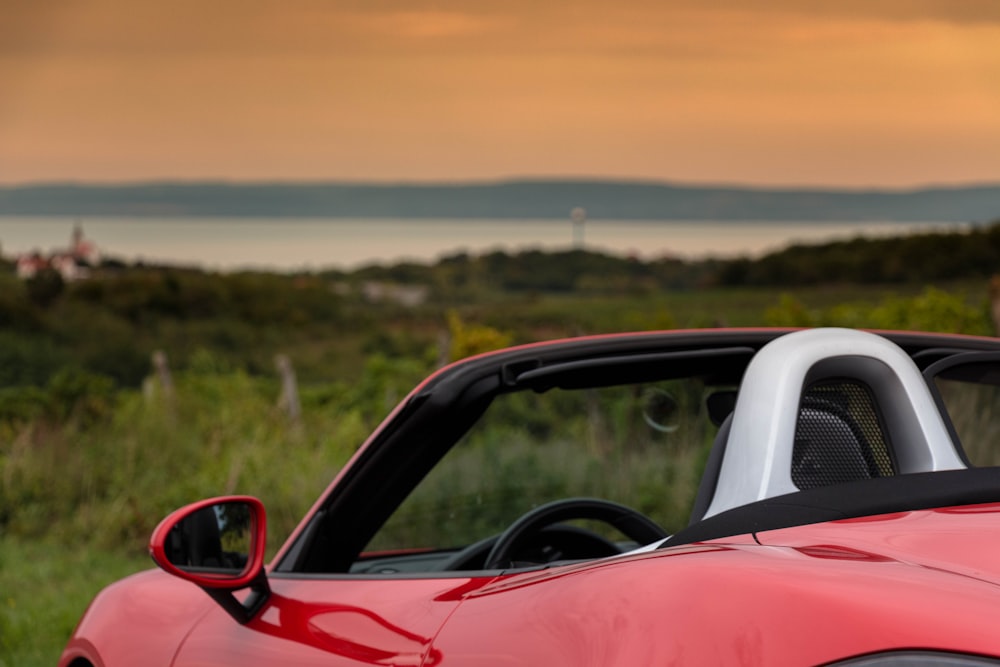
x=95, y=448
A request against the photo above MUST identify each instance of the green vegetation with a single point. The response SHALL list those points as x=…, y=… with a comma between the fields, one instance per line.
x=95, y=446
x=532, y=448
x=46, y=585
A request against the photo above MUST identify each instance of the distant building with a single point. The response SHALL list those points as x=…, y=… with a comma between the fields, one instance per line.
x=83, y=250
x=30, y=264
x=405, y=295
x=73, y=263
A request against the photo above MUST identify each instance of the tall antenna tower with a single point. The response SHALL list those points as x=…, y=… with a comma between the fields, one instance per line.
x=579, y=216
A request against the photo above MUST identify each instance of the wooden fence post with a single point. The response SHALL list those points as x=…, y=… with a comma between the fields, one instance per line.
x=289, y=399
x=162, y=369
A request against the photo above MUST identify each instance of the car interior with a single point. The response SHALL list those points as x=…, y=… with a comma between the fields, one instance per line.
x=543, y=462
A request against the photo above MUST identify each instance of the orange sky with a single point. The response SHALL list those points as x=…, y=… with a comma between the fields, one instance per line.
x=864, y=92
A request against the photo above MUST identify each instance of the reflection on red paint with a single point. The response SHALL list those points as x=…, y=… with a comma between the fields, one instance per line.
x=348, y=631
x=831, y=552
x=989, y=508
x=874, y=519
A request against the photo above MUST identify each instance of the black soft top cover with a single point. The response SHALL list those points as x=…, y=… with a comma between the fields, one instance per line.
x=868, y=497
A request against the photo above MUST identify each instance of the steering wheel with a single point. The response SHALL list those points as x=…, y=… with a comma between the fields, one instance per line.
x=630, y=522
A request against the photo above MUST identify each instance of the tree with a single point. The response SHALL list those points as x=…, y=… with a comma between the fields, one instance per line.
x=45, y=287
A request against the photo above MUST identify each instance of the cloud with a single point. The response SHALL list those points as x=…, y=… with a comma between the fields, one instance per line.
x=359, y=88
x=952, y=11
x=430, y=24
x=191, y=28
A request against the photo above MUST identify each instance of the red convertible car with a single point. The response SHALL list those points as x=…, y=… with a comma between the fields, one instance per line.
x=725, y=497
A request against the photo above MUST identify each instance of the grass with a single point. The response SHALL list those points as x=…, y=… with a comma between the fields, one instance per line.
x=45, y=586
x=78, y=501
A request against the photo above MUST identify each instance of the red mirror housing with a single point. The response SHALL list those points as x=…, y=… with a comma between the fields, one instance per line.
x=217, y=544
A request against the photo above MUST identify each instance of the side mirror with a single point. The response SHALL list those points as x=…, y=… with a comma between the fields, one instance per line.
x=217, y=544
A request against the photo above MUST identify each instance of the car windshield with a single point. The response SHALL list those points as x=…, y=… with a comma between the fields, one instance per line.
x=640, y=445
x=643, y=445
x=972, y=401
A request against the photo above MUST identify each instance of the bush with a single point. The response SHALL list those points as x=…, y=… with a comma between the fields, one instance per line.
x=932, y=310
x=470, y=339
x=45, y=287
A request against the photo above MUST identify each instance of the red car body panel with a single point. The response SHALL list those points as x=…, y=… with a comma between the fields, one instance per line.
x=311, y=621
x=726, y=604
x=153, y=600
x=962, y=540
x=872, y=586
x=371, y=622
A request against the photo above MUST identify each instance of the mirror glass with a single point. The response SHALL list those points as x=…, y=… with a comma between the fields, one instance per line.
x=215, y=539
x=661, y=410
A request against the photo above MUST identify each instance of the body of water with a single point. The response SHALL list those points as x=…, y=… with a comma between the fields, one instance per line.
x=227, y=244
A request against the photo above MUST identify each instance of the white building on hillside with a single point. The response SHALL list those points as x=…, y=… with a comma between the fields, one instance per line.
x=73, y=263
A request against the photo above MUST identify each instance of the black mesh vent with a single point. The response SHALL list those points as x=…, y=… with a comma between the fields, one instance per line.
x=838, y=437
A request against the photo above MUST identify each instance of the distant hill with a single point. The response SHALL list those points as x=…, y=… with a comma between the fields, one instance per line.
x=514, y=199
